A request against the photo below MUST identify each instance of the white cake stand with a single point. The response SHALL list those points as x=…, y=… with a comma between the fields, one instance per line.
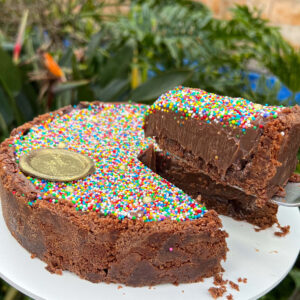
x=261, y=257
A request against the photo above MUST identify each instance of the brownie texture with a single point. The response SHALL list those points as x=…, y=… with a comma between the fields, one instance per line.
x=226, y=200
x=103, y=248
x=258, y=161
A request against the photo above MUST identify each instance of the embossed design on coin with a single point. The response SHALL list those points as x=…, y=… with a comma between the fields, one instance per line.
x=56, y=164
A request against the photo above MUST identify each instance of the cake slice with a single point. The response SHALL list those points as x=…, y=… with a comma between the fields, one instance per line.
x=234, y=141
x=123, y=223
x=224, y=199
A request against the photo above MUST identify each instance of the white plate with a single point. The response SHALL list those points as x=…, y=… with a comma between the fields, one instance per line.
x=261, y=257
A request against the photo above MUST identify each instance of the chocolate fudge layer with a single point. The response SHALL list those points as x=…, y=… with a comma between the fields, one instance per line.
x=123, y=223
x=224, y=199
x=232, y=140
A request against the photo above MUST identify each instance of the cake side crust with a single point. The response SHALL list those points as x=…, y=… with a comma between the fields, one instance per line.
x=99, y=248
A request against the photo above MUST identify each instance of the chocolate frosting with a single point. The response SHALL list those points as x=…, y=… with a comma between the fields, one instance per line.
x=259, y=161
x=221, y=147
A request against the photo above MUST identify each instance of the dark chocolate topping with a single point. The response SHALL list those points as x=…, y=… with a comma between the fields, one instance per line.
x=258, y=161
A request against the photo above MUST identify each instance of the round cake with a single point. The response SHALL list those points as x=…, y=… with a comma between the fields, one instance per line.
x=121, y=222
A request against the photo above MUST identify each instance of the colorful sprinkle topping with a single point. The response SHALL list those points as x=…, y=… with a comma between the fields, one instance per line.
x=122, y=186
x=198, y=104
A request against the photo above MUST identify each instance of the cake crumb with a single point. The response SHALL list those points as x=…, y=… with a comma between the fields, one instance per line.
x=182, y=291
x=58, y=272
x=222, y=288
x=284, y=230
x=244, y=280
x=33, y=255
x=257, y=250
x=234, y=285
x=295, y=178
x=119, y=287
x=217, y=292
x=281, y=192
x=257, y=229
x=218, y=280
x=274, y=251
x=53, y=270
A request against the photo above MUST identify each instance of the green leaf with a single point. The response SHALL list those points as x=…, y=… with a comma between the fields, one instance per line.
x=172, y=47
x=287, y=68
x=66, y=59
x=5, y=108
x=3, y=126
x=31, y=95
x=76, y=74
x=64, y=86
x=112, y=90
x=154, y=87
x=117, y=66
x=7, y=46
x=63, y=99
x=85, y=93
x=12, y=102
x=93, y=45
x=24, y=106
x=295, y=273
x=9, y=73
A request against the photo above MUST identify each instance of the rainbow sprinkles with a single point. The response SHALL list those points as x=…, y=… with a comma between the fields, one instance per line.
x=198, y=104
x=111, y=135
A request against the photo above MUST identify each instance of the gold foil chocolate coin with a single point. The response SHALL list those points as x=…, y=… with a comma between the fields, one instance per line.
x=56, y=164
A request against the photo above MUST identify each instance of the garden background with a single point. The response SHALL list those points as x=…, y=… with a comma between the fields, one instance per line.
x=59, y=52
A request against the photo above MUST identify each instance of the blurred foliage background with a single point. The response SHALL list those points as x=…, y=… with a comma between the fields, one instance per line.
x=59, y=52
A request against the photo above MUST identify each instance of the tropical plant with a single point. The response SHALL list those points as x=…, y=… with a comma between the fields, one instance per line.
x=69, y=51
x=139, y=55
x=63, y=22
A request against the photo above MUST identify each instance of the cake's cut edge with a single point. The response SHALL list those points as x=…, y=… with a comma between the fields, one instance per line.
x=257, y=156
x=224, y=199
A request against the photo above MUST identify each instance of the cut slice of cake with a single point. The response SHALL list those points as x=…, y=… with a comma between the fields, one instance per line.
x=234, y=141
x=226, y=200
x=123, y=223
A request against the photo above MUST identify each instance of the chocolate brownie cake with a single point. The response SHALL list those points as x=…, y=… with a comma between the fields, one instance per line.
x=234, y=141
x=122, y=223
x=226, y=200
